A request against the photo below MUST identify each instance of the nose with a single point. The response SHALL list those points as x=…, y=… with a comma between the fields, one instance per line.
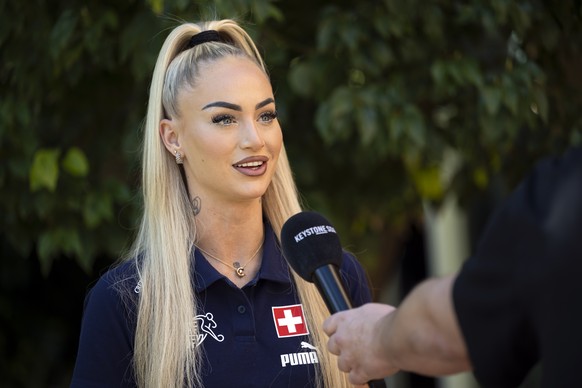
x=251, y=136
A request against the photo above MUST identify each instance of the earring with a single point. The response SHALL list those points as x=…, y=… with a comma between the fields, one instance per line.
x=179, y=159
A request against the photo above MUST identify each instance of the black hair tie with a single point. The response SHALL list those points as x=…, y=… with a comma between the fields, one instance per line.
x=203, y=37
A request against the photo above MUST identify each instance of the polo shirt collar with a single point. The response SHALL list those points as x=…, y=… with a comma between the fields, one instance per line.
x=273, y=266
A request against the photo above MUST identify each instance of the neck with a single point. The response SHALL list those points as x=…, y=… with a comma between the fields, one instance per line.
x=232, y=234
x=239, y=269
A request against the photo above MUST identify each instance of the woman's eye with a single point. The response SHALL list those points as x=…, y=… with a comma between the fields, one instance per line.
x=223, y=120
x=267, y=117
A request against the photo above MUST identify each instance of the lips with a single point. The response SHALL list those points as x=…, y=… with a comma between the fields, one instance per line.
x=252, y=166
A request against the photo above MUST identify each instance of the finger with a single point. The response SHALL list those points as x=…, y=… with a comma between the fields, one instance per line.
x=356, y=378
x=329, y=326
x=332, y=346
x=344, y=365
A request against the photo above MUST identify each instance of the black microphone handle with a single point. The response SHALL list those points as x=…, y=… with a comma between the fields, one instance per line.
x=330, y=285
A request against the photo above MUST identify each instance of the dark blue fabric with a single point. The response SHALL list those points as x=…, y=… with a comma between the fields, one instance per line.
x=518, y=298
x=241, y=346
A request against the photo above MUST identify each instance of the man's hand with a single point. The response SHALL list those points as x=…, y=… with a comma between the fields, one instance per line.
x=356, y=338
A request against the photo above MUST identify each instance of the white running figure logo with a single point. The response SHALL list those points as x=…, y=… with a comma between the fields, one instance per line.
x=206, y=325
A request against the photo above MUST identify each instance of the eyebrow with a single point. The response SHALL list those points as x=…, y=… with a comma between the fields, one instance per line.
x=263, y=103
x=228, y=105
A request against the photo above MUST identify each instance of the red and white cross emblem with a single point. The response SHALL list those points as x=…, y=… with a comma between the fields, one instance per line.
x=290, y=321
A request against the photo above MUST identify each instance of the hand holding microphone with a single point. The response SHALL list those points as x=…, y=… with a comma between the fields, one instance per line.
x=312, y=248
x=355, y=336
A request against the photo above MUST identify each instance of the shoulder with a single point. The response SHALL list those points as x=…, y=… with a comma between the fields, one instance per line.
x=355, y=279
x=559, y=181
x=527, y=260
x=107, y=331
x=121, y=276
x=111, y=304
x=350, y=264
x=545, y=205
x=554, y=184
x=118, y=284
x=568, y=162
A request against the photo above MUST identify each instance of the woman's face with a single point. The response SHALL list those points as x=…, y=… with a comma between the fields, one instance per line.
x=227, y=132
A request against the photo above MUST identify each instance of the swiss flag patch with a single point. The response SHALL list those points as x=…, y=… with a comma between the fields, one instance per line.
x=290, y=321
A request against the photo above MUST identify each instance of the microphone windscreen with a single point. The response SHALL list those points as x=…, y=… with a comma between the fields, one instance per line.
x=309, y=241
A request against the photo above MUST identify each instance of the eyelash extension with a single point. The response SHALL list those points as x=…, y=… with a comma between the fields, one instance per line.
x=271, y=115
x=219, y=118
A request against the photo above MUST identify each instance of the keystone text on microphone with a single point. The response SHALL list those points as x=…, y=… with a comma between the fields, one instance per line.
x=322, y=229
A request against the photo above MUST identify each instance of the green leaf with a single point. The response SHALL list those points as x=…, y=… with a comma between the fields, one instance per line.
x=367, y=119
x=263, y=10
x=470, y=70
x=480, y=177
x=350, y=35
x=428, y=182
x=97, y=207
x=342, y=105
x=541, y=102
x=46, y=250
x=511, y=99
x=438, y=72
x=44, y=172
x=71, y=242
x=75, y=162
x=59, y=240
x=414, y=122
x=491, y=98
x=396, y=126
x=300, y=76
x=383, y=55
x=334, y=119
x=327, y=34
x=62, y=32
x=157, y=6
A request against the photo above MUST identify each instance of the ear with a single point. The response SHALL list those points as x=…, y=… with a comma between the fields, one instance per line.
x=169, y=134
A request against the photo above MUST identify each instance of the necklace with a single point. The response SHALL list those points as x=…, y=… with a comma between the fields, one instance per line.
x=239, y=270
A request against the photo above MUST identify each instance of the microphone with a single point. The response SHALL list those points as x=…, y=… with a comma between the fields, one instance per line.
x=312, y=248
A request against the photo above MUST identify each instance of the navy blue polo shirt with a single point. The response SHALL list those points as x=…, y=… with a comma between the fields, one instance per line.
x=255, y=336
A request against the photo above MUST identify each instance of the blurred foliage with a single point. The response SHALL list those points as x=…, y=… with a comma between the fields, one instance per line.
x=403, y=84
x=374, y=97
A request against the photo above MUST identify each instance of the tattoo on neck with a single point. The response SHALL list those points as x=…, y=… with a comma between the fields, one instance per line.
x=196, y=205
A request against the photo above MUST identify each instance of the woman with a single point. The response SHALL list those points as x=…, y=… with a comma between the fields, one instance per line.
x=205, y=298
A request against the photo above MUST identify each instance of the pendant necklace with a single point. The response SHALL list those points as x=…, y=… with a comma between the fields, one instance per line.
x=239, y=270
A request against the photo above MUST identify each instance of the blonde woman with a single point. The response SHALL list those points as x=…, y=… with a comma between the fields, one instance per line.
x=205, y=298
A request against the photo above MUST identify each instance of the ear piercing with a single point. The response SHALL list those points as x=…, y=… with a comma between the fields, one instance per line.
x=178, y=156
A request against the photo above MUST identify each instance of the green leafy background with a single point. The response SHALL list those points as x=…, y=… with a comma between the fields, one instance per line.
x=373, y=96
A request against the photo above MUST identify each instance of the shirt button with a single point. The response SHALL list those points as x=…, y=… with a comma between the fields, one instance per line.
x=242, y=309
